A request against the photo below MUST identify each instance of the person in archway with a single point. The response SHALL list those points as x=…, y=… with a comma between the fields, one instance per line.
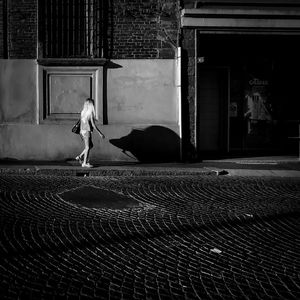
x=87, y=125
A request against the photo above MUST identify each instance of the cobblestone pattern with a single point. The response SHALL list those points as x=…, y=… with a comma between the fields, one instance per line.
x=194, y=237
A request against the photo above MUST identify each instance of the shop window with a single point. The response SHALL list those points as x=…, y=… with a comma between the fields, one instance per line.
x=74, y=29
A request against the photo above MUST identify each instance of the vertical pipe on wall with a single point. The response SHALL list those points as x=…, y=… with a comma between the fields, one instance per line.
x=37, y=74
x=196, y=92
x=38, y=49
x=178, y=88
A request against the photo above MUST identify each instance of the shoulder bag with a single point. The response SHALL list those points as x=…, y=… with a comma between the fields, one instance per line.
x=76, y=127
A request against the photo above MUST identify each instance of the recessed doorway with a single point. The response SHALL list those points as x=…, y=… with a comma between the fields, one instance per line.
x=247, y=94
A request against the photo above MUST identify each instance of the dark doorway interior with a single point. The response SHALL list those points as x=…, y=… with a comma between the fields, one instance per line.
x=211, y=109
x=263, y=104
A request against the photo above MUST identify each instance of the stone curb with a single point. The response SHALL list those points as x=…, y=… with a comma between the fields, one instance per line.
x=105, y=172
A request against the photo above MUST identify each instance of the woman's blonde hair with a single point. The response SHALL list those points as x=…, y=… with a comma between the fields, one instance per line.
x=88, y=110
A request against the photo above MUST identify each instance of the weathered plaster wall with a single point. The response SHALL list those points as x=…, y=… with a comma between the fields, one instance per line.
x=17, y=91
x=140, y=94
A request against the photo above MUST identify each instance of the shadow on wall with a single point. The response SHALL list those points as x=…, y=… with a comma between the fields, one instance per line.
x=152, y=144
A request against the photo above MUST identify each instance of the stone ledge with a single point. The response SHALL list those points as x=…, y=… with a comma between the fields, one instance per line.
x=72, y=62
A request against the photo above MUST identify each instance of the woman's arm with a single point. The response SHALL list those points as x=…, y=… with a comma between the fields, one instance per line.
x=95, y=127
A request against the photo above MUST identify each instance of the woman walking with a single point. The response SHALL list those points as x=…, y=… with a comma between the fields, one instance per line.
x=87, y=124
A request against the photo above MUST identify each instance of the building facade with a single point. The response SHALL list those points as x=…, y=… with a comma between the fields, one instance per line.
x=171, y=79
x=55, y=54
x=241, y=93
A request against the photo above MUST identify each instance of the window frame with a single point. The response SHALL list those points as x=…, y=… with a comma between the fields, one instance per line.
x=96, y=49
x=45, y=75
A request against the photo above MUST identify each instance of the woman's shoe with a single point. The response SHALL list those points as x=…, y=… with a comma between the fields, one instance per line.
x=87, y=165
x=78, y=159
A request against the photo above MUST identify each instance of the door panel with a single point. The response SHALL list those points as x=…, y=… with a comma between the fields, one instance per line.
x=212, y=110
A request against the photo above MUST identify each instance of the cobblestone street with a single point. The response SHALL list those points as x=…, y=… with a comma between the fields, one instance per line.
x=182, y=237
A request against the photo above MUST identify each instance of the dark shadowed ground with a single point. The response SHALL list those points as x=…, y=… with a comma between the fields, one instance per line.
x=149, y=237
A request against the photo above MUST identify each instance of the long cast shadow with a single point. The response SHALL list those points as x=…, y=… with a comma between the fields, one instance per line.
x=152, y=144
x=113, y=237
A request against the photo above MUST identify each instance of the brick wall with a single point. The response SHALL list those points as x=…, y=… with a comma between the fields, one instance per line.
x=188, y=91
x=21, y=25
x=145, y=29
x=139, y=29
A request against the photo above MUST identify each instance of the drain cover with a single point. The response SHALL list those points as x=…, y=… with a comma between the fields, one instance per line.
x=92, y=197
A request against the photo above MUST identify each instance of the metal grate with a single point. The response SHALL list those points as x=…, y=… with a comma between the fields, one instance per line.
x=73, y=28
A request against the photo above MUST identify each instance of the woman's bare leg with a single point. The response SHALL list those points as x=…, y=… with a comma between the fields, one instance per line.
x=86, y=155
x=81, y=154
x=86, y=150
x=79, y=157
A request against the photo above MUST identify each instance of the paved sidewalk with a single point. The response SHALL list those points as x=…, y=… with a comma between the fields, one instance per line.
x=149, y=237
x=265, y=166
